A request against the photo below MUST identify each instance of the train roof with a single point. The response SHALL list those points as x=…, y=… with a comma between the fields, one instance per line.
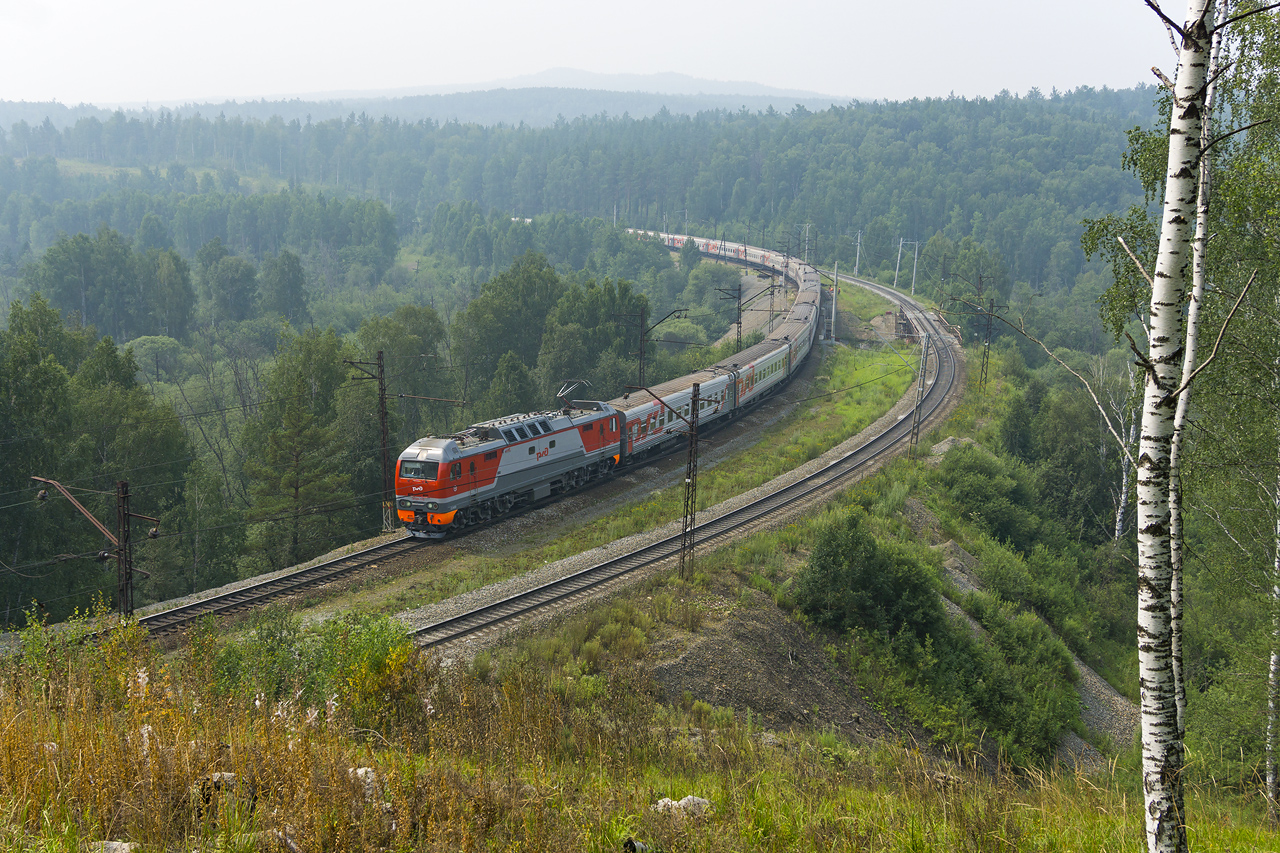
x=490, y=433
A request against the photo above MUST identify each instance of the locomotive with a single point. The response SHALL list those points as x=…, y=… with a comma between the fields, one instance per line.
x=446, y=483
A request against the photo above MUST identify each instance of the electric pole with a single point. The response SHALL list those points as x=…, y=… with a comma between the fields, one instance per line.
x=121, y=539
x=835, y=288
x=914, y=263
x=690, y=489
x=898, y=266
x=690, y=473
x=736, y=295
x=986, y=341
x=916, y=413
x=642, y=314
x=388, y=479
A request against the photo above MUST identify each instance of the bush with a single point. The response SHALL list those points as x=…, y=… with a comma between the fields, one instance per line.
x=996, y=495
x=852, y=582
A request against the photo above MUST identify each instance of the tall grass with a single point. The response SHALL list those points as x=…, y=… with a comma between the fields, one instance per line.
x=559, y=745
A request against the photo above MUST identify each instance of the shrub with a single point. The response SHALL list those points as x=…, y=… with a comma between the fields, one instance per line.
x=852, y=582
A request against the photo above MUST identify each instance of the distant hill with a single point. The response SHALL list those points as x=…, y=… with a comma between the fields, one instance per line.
x=668, y=83
x=536, y=100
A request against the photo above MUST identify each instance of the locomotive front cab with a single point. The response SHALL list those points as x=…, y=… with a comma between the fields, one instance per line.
x=419, y=473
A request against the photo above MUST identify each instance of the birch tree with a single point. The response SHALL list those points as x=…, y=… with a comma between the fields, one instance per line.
x=1199, y=275
x=1162, y=746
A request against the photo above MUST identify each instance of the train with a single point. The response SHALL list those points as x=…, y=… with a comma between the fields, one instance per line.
x=449, y=482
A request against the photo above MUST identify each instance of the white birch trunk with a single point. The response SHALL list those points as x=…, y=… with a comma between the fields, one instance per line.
x=1162, y=749
x=1198, y=278
x=1273, y=670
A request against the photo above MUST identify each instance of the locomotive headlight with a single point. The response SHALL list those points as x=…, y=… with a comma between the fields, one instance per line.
x=404, y=503
x=433, y=505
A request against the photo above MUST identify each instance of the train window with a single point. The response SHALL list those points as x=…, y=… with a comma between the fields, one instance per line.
x=613, y=424
x=473, y=466
x=532, y=449
x=586, y=429
x=492, y=454
x=455, y=471
x=509, y=435
x=553, y=443
x=600, y=427
x=521, y=433
x=414, y=470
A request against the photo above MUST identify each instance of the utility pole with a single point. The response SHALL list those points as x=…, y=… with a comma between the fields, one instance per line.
x=736, y=295
x=916, y=413
x=898, y=266
x=835, y=288
x=690, y=489
x=857, y=257
x=986, y=342
x=690, y=473
x=807, y=225
x=645, y=330
x=388, y=479
x=914, y=263
x=121, y=539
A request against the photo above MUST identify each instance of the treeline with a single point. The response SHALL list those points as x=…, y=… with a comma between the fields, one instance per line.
x=1015, y=174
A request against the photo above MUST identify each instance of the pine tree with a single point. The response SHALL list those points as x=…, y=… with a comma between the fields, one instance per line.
x=302, y=499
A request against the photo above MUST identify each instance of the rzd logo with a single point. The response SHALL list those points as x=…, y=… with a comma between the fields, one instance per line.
x=542, y=453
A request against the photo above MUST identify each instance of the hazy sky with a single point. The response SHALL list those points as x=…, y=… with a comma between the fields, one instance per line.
x=163, y=51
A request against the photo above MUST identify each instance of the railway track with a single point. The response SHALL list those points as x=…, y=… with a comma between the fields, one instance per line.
x=253, y=596
x=256, y=595
x=841, y=470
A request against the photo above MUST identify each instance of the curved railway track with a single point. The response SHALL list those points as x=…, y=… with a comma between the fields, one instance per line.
x=259, y=594
x=492, y=615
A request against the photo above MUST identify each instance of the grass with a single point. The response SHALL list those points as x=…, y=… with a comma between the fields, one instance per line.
x=855, y=388
x=558, y=746
x=560, y=742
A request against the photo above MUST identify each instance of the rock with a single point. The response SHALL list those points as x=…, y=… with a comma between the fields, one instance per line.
x=690, y=806
x=368, y=779
x=112, y=847
x=942, y=447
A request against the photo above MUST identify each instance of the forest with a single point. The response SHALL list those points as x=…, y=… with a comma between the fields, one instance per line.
x=186, y=297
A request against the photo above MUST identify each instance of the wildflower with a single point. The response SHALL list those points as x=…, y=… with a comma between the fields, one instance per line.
x=138, y=685
x=331, y=706
x=312, y=715
x=257, y=701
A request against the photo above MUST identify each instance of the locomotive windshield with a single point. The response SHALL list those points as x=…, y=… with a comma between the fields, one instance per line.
x=414, y=470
